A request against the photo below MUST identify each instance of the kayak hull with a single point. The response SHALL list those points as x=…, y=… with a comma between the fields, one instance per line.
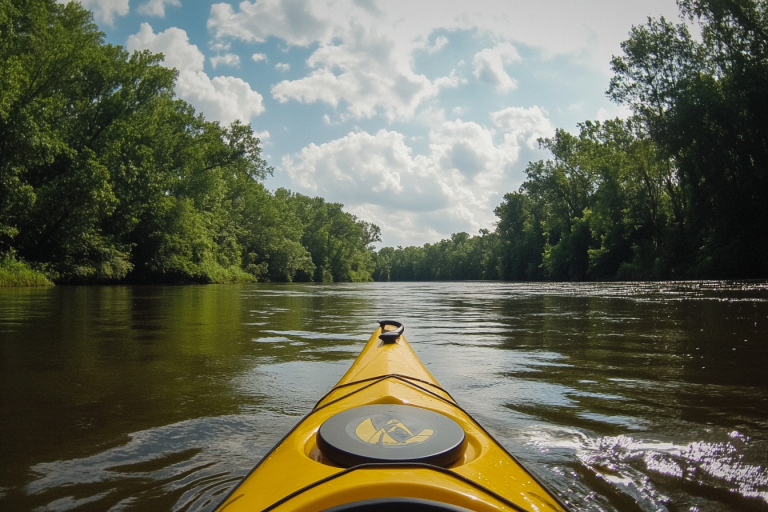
x=298, y=476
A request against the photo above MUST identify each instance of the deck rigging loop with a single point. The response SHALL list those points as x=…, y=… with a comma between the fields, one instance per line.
x=391, y=336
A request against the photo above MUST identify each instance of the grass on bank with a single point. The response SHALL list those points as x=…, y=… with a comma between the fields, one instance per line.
x=18, y=273
x=15, y=273
x=216, y=274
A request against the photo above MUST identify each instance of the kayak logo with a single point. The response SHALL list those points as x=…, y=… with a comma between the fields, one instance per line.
x=393, y=433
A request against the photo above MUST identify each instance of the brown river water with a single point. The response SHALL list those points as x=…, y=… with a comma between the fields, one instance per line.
x=619, y=396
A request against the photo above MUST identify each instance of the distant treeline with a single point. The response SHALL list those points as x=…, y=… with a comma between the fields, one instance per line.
x=105, y=176
x=678, y=191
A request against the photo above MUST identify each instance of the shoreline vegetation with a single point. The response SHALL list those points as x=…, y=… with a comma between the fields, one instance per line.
x=107, y=177
x=18, y=273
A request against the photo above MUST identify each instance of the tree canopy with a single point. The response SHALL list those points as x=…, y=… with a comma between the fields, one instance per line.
x=106, y=176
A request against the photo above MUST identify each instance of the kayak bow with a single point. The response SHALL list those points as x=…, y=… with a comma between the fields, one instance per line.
x=388, y=437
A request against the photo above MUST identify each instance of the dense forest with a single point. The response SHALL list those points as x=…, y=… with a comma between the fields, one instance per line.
x=105, y=176
x=678, y=191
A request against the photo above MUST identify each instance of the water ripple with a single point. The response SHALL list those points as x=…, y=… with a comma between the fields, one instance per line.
x=184, y=466
x=651, y=473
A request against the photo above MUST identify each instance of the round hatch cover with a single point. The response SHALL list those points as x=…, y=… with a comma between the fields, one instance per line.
x=390, y=433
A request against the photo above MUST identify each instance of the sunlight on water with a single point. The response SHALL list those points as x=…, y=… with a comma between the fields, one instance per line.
x=631, y=465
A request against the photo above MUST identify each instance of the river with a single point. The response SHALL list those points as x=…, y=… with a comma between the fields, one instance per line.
x=619, y=396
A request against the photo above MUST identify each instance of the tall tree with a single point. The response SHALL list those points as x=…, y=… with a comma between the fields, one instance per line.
x=711, y=127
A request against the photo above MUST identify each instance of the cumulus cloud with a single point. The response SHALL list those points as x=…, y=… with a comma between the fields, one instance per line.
x=258, y=57
x=173, y=44
x=282, y=66
x=229, y=59
x=354, y=65
x=521, y=125
x=104, y=11
x=440, y=43
x=370, y=6
x=219, y=46
x=453, y=186
x=157, y=7
x=364, y=61
x=291, y=20
x=364, y=72
x=489, y=66
x=222, y=98
x=612, y=112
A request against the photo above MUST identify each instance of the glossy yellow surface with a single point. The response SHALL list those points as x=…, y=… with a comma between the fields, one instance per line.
x=297, y=462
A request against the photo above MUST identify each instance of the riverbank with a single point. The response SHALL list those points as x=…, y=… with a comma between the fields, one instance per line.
x=14, y=273
x=19, y=273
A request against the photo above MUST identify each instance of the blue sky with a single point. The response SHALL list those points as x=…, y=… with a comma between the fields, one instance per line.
x=417, y=116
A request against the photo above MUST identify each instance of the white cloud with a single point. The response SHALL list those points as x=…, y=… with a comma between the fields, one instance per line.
x=364, y=71
x=104, y=11
x=219, y=46
x=355, y=64
x=440, y=43
x=229, y=59
x=523, y=125
x=365, y=49
x=489, y=66
x=223, y=98
x=258, y=57
x=173, y=44
x=282, y=66
x=612, y=112
x=370, y=6
x=404, y=228
x=415, y=198
x=291, y=20
x=157, y=7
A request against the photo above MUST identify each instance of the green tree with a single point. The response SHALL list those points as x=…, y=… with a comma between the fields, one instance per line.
x=711, y=128
x=599, y=209
x=62, y=91
x=522, y=237
x=103, y=174
x=459, y=257
x=339, y=243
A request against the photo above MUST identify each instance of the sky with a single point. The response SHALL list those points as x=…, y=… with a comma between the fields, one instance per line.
x=417, y=116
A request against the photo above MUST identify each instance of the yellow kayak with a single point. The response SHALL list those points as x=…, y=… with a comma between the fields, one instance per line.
x=388, y=437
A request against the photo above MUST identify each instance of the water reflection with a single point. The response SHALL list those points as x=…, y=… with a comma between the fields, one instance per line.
x=635, y=396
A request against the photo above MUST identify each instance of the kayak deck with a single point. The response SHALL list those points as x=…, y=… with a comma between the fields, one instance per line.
x=297, y=476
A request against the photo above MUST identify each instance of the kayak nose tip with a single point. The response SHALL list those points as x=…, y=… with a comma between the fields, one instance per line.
x=390, y=336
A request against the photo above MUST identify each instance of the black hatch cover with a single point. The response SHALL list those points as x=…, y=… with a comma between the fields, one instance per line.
x=391, y=433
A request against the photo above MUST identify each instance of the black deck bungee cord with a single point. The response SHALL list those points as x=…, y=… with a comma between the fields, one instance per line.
x=380, y=377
